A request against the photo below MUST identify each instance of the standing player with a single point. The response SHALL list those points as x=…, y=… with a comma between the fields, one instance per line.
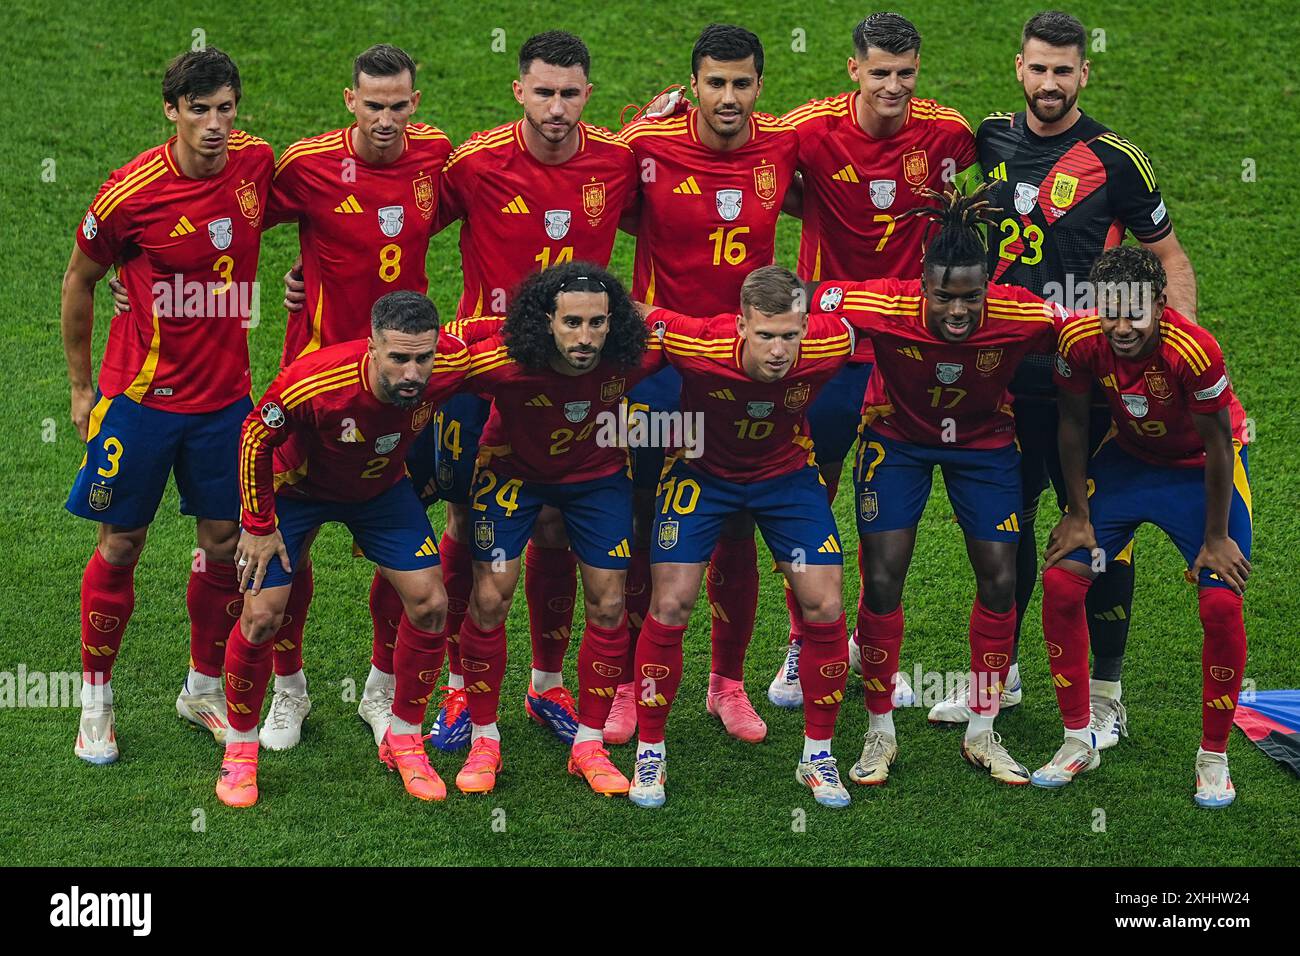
x=336, y=425
x=182, y=223
x=571, y=348
x=946, y=349
x=1176, y=458
x=546, y=189
x=749, y=378
x=1068, y=188
x=863, y=158
x=715, y=178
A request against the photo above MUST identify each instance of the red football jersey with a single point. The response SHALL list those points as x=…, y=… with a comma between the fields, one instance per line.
x=186, y=250
x=707, y=218
x=928, y=391
x=547, y=427
x=855, y=186
x=1152, y=400
x=363, y=229
x=521, y=215
x=320, y=432
x=752, y=430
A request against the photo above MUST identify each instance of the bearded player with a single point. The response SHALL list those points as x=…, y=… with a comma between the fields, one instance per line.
x=571, y=348
x=327, y=442
x=182, y=216
x=863, y=158
x=717, y=175
x=946, y=349
x=749, y=378
x=1175, y=458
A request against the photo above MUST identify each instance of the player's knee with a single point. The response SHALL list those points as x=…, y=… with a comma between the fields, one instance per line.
x=997, y=589
x=428, y=613
x=671, y=609
x=490, y=607
x=259, y=623
x=821, y=608
x=121, y=548
x=881, y=589
x=605, y=610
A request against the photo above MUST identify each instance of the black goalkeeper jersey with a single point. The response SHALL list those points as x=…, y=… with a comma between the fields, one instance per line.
x=1064, y=199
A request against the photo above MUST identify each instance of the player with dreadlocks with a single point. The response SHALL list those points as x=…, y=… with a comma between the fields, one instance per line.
x=946, y=346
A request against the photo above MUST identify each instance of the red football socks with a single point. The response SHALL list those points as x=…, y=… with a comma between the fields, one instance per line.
x=288, y=639
x=107, y=599
x=1223, y=658
x=992, y=637
x=601, y=658
x=733, y=596
x=385, y=618
x=658, y=675
x=458, y=579
x=1065, y=631
x=417, y=662
x=483, y=657
x=881, y=638
x=214, y=602
x=823, y=664
x=248, y=669
x=550, y=587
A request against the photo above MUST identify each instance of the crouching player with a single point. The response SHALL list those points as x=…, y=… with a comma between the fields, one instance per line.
x=750, y=378
x=328, y=442
x=572, y=346
x=946, y=348
x=1176, y=458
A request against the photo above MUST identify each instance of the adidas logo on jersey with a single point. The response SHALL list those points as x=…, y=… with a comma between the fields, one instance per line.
x=539, y=401
x=830, y=546
x=688, y=187
x=1011, y=524
x=725, y=394
x=999, y=172
x=428, y=549
x=516, y=205
x=620, y=550
x=911, y=351
x=846, y=175
x=348, y=205
x=183, y=228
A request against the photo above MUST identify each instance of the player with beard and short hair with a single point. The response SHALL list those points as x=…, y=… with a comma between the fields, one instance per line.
x=1068, y=188
x=174, y=381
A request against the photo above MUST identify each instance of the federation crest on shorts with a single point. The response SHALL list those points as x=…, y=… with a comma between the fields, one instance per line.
x=557, y=222
x=916, y=167
x=248, y=201
x=1063, y=189
x=759, y=409
x=593, y=199
x=612, y=390
x=485, y=534
x=668, y=531
x=1026, y=198
x=576, y=411
x=221, y=232
x=986, y=360
x=423, y=188
x=446, y=476
x=391, y=219
x=90, y=226
x=868, y=506
x=883, y=192
x=101, y=496
x=796, y=397
x=1136, y=404
x=948, y=372
x=272, y=415
x=420, y=417
x=765, y=181
x=831, y=299
x=729, y=201
x=386, y=443
x=1158, y=385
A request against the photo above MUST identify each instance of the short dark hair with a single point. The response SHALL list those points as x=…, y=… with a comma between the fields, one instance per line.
x=198, y=73
x=1129, y=265
x=772, y=290
x=403, y=311
x=1055, y=29
x=555, y=48
x=528, y=335
x=891, y=32
x=727, y=43
x=382, y=59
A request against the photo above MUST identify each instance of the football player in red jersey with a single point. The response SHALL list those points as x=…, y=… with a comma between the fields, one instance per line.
x=713, y=183
x=1176, y=458
x=545, y=189
x=864, y=156
x=749, y=378
x=182, y=224
x=571, y=348
x=946, y=348
x=328, y=442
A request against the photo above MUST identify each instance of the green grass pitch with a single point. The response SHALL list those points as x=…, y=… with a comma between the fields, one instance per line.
x=1208, y=90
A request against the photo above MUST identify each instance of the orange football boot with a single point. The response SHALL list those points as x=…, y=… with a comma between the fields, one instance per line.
x=479, y=774
x=590, y=759
x=237, y=785
x=405, y=754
